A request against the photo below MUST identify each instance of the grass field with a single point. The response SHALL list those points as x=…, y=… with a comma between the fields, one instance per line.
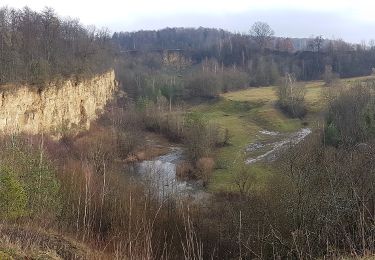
x=244, y=113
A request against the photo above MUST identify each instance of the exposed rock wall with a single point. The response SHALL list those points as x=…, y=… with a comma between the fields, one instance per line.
x=56, y=107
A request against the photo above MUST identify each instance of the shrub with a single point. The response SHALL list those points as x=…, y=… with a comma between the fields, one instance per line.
x=13, y=198
x=204, y=84
x=291, y=97
x=234, y=80
x=332, y=135
x=185, y=170
x=351, y=117
x=197, y=139
x=329, y=76
x=42, y=189
x=205, y=167
x=32, y=170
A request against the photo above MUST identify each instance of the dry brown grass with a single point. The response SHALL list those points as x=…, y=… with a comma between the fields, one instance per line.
x=205, y=167
x=18, y=242
x=185, y=170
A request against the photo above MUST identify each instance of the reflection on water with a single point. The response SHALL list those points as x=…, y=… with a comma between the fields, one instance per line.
x=160, y=174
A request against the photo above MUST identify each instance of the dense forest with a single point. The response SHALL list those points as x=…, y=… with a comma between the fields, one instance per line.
x=308, y=59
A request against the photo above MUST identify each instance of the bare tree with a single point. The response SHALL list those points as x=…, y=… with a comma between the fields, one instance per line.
x=262, y=34
x=315, y=44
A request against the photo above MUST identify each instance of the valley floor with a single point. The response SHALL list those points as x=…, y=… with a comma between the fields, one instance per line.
x=251, y=116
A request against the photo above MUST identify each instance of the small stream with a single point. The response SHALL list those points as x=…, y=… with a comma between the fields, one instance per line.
x=160, y=174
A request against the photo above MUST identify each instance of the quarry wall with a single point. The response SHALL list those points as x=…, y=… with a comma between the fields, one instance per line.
x=56, y=107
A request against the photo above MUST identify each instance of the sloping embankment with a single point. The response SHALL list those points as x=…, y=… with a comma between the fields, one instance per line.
x=56, y=107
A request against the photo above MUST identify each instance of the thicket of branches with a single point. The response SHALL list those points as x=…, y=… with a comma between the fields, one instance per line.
x=351, y=115
x=291, y=96
x=149, y=76
x=40, y=46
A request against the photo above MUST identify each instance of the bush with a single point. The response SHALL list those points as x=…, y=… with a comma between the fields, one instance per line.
x=197, y=139
x=204, y=85
x=332, y=135
x=234, y=80
x=205, y=167
x=291, y=97
x=13, y=198
x=351, y=117
x=329, y=76
x=32, y=174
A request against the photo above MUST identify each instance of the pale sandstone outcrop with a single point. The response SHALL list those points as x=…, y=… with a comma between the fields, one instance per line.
x=57, y=107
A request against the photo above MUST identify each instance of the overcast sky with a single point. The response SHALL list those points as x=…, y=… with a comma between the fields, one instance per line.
x=351, y=20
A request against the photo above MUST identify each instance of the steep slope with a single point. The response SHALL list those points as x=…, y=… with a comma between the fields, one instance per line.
x=18, y=242
x=56, y=107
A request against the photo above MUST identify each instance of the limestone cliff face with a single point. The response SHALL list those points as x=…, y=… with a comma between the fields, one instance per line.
x=55, y=108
